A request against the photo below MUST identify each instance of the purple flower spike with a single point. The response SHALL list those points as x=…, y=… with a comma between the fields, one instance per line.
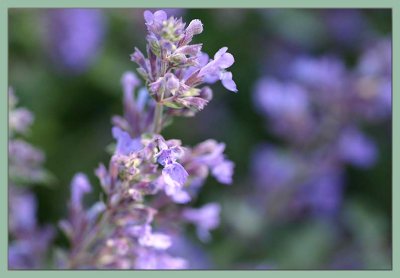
x=174, y=69
x=149, y=180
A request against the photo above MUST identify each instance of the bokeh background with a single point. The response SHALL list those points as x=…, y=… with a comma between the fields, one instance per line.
x=65, y=66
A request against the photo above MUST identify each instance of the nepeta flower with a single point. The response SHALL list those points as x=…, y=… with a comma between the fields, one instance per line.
x=174, y=68
x=148, y=175
x=205, y=218
x=215, y=69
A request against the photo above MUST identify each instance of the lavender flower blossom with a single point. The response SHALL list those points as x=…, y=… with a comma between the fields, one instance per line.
x=170, y=59
x=148, y=175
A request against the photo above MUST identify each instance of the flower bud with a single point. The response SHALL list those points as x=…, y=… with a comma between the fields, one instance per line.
x=173, y=83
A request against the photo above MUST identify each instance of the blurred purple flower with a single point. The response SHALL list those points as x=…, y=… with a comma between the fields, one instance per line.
x=272, y=167
x=23, y=209
x=29, y=244
x=322, y=195
x=75, y=37
x=205, y=218
x=287, y=106
x=327, y=72
x=355, y=148
x=80, y=186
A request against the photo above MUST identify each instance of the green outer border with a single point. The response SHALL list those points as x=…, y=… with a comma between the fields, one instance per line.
x=5, y=4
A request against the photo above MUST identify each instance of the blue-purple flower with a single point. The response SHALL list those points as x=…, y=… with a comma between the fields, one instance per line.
x=205, y=218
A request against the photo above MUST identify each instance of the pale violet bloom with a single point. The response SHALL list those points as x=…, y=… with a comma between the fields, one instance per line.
x=205, y=219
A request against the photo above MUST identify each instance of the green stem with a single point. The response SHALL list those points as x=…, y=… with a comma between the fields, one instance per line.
x=157, y=122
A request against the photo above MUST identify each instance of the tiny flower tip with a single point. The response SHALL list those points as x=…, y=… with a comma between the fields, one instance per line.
x=196, y=26
x=220, y=52
x=129, y=78
x=81, y=181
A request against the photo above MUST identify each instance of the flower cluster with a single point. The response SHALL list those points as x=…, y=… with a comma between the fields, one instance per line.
x=149, y=180
x=174, y=69
x=318, y=112
x=28, y=241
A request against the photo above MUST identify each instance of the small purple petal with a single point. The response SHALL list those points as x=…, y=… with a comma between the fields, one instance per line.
x=175, y=177
x=225, y=61
x=181, y=197
x=165, y=157
x=195, y=27
x=205, y=218
x=125, y=144
x=148, y=17
x=220, y=52
x=160, y=16
x=223, y=172
x=172, y=82
x=226, y=78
